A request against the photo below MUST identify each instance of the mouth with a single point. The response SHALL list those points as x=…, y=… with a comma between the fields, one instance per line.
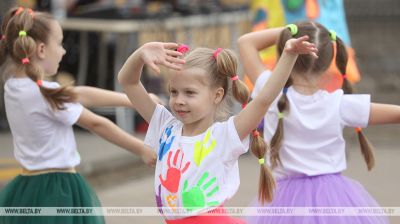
x=182, y=113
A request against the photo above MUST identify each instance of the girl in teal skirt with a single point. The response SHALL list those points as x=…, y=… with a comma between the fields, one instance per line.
x=41, y=115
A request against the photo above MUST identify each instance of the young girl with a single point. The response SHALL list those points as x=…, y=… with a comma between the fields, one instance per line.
x=41, y=115
x=304, y=127
x=197, y=167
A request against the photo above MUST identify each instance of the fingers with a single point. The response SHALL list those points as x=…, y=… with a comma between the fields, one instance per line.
x=171, y=46
x=172, y=65
x=174, y=60
x=154, y=67
x=173, y=53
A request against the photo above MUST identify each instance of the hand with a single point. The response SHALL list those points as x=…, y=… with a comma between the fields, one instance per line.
x=148, y=156
x=301, y=46
x=157, y=53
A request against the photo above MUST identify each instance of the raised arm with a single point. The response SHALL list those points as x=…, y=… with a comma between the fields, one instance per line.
x=249, y=46
x=152, y=54
x=250, y=116
x=384, y=114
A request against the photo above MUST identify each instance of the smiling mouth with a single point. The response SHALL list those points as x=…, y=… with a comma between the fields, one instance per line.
x=182, y=113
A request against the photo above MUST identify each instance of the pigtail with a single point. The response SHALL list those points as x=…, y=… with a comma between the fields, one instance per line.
x=266, y=184
x=23, y=29
x=227, y=68
x=341, y=63
x=276, y=141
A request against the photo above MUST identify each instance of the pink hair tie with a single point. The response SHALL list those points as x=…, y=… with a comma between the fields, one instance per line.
x=19, y=10
x=3, y=37
x=183, y=48
x=344, y=76
x=39, y=82
x=244, y=105
x=216, y=52
x=25, y=61
x=234, y=78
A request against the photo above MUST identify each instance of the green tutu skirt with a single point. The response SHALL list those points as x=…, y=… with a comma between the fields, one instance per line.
x=49, y=190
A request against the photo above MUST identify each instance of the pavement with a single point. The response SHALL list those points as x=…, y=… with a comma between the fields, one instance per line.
x=121, y=180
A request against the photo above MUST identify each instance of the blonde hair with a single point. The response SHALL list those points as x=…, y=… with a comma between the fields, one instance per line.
x=22, y=47
x=221, y=65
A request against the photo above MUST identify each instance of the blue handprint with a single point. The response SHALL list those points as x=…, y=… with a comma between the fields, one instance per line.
x=165, y=142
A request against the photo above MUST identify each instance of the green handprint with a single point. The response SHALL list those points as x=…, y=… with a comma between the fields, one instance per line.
x=195, y=198
x=201, y=150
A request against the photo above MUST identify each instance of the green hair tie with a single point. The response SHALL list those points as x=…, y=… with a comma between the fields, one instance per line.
x=293, y=29
x=280, y=115
x=261, y=161
x=22, y=33
x=332, y=35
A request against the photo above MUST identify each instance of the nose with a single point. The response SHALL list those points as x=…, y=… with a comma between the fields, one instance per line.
x=179, y=100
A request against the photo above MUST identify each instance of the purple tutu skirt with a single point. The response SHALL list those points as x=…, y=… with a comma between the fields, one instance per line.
x=331, y=190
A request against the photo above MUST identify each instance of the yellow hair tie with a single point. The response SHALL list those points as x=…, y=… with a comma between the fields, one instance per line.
x=261, y=161
x=292, y=28
x=22, y=33
x=280, y=115
x=332, y=35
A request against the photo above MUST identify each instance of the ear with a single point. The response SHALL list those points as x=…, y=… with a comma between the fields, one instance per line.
x=41, y=50
x=219, y=95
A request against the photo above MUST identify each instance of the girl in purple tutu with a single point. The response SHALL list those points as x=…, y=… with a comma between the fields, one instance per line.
x=304, y=127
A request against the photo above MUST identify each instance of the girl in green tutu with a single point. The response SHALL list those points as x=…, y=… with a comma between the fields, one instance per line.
x=41, y=115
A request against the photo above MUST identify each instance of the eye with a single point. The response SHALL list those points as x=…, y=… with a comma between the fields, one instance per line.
x=173, y=92
x=190, y=92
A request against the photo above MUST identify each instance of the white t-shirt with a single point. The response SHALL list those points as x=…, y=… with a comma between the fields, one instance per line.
x=197, y=171
x=43, y=138
x=313, y=141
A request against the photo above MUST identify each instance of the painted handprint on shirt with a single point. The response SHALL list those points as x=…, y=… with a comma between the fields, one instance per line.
x=203, y=148
x=171, y=183
x=196, y=197
x=171, y=200
x=165, y=141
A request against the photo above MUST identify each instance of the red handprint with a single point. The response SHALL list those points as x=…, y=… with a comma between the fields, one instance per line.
x=171, y=183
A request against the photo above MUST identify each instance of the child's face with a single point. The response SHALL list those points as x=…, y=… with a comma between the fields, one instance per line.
x=192, y=100
x=53, y=51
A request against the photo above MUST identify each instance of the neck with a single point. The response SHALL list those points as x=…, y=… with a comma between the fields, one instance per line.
x=305, y=86
x=197, y=127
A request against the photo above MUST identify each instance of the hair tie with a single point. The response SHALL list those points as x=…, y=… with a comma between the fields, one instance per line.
x=358, y=130
x=216, y=52
x=39, y=82
x=284, y=90
x=261, y=161
x=183, y=48
x=244, y=105
x=19, y=10
x=22, y=33
x=31, y=12
x=256, y=133
x=3, y=37
x=280, y=115
x=25, y=61
x=293, y=29
x=344, y=76
x=332, y=35
x=234, y=78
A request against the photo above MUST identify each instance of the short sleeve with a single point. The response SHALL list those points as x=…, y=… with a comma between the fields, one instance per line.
x=72, y=111
x=261, y=80
x=233, y=146
x=355, y=109
x=160, y=118
x=70, y=114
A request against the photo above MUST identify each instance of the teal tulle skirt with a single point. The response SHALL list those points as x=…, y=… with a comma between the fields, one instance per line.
x=49, y=190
